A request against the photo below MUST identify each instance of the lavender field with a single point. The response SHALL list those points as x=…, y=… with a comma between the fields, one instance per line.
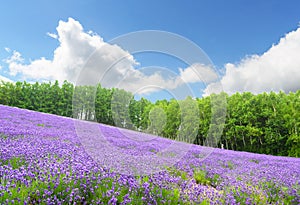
x=47, y=159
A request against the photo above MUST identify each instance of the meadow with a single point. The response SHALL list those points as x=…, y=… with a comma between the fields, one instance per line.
x=48, y=159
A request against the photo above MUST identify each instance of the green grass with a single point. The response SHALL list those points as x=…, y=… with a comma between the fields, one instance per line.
x=3, y=136
x=14, y=162
x=200, y=177
x=178, y=173
x=256, y=161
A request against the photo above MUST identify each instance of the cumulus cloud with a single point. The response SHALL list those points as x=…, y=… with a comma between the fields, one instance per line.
x=278, y=69
x=75, y=47
x=198, y=73
x=85, y=58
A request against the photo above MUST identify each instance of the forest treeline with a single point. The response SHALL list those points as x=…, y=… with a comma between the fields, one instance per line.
x=265, y=123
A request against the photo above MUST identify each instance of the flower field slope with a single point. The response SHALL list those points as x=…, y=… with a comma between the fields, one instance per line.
x=47, y=159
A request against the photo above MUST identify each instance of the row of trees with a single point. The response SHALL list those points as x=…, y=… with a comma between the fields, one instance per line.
x=265, y=123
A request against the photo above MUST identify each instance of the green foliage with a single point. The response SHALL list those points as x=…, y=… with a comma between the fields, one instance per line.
x=14, y=162
x=215, y=180
x=158, y=120
x=204, y=202
x=176, y=195
x=256, y=161
x=230, y=165
x=120, y=103
x=294, y=143
x=3, y=136
x=178, y=173
x=200, y=177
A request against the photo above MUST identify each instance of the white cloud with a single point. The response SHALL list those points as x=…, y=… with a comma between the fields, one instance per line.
x=69, y=57
x=277, y=69
x=215, y=87
x=85, y=56
x=7, y=49
x=52, y=35
x=198, y=73
x=15, y=58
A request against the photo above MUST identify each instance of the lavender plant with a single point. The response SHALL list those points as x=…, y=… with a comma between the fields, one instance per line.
x=46, y=160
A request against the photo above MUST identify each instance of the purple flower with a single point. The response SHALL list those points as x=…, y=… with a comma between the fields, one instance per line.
x=61, y=163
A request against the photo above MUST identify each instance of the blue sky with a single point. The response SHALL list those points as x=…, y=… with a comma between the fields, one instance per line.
x=236, y=35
